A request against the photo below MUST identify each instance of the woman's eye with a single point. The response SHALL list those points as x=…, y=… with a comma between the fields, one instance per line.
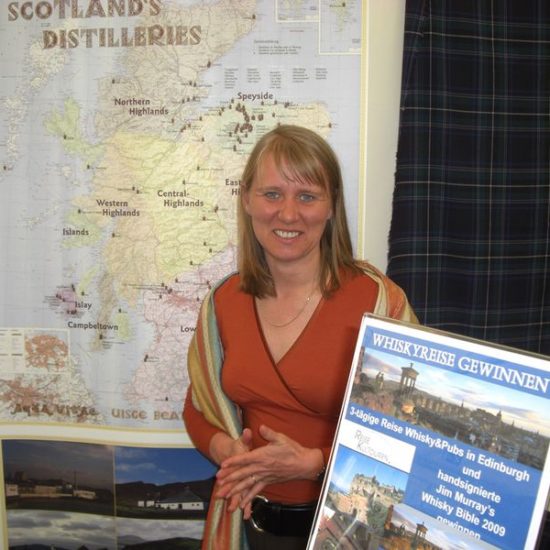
x=271, y=194
x=306, y=197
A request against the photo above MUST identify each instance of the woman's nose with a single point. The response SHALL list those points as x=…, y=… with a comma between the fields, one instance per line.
x=288, y=211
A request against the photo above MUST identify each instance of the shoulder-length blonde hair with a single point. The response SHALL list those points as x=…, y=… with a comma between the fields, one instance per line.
x=301, y=155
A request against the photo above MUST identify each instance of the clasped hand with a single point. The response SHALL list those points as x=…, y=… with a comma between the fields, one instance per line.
x=243, y=476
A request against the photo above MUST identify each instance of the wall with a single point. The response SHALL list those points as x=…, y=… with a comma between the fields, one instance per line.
x=385, y=22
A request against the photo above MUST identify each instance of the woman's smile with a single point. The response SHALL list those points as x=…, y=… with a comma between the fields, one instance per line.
x=286, y=234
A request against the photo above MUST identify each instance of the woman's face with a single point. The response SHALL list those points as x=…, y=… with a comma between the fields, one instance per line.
x=288, y=217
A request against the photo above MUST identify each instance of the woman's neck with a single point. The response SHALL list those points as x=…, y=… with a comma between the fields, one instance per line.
x=292, y=279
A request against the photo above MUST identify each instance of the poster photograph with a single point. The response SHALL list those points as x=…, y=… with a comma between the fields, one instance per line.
x=442, y=444
x=63, y=494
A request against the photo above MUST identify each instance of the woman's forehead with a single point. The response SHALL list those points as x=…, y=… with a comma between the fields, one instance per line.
x=289, y=172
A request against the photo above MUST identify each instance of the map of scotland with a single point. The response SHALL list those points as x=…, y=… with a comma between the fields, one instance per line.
x=124, y=129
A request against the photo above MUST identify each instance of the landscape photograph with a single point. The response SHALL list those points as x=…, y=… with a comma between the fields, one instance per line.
x=161, y=534
x=43, y=529
x=492, y=417
x=162, y=483
x=58, y=475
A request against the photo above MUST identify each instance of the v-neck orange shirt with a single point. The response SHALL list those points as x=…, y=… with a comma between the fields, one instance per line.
x=315, y=368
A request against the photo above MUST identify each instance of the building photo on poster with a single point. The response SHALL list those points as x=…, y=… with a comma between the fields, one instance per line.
x=442, y=443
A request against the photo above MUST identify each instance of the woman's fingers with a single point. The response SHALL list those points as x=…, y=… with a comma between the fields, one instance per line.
x=238, y=482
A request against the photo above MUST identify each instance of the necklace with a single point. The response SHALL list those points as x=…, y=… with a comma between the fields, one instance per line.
x=286, y=323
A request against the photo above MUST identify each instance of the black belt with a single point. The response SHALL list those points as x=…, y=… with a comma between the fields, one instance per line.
x=284, y=520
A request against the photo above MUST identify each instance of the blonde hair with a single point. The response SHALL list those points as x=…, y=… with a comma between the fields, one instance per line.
x=301, y=155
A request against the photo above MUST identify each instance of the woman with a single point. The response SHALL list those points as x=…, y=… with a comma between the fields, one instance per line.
x=284, y=329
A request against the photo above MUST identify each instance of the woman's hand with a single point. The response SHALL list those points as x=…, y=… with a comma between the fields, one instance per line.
x=222, y=447
x=282, y=459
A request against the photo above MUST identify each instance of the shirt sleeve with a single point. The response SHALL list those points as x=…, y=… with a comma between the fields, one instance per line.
x=199, y=429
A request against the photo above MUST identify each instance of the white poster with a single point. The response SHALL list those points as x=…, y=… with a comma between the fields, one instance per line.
x=442, y=443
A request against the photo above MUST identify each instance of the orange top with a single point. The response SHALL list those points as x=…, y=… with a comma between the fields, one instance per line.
x=316, y=369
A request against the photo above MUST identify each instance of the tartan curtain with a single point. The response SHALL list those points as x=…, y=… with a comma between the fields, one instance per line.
x=470, y=230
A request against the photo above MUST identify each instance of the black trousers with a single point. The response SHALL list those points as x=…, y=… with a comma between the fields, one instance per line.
x=262, y=540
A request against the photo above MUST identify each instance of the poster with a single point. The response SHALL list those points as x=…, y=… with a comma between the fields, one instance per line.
x=442, y=443
x=124, y=128
x=76, y=494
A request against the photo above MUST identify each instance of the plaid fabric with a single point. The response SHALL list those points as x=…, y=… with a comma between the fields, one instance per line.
x=470, y=231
